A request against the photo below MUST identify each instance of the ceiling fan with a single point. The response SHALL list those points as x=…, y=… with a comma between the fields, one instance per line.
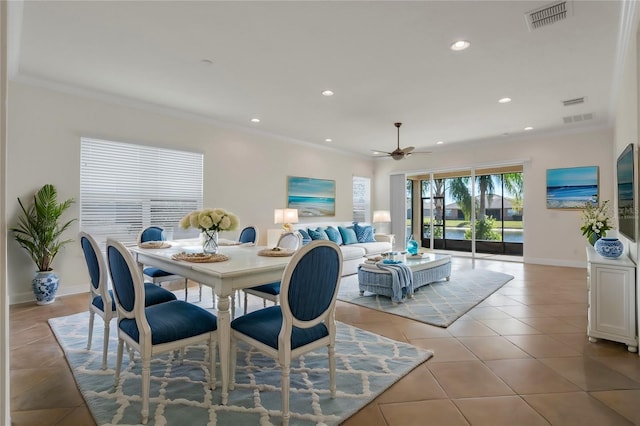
x=398, y=153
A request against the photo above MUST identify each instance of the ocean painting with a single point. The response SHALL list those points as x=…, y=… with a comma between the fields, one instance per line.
x=572, y=188
x=312, y=197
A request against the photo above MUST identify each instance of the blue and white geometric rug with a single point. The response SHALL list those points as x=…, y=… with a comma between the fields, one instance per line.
x=439, y=303
x=367, y=364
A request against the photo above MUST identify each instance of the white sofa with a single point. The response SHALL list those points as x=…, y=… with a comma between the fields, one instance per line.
x=354, y=254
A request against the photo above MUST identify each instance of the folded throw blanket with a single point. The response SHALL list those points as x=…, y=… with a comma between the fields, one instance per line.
x=401, y=279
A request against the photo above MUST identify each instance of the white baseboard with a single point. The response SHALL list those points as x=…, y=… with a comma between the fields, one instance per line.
x=556, y=262
x=27, y=296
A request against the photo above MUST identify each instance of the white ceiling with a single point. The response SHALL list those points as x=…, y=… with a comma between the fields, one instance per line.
x=386, y=62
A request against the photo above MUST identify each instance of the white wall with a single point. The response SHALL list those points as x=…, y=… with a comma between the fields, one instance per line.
x=626, y=123
x=244, y=172
x=551, y=236
x=5, y=409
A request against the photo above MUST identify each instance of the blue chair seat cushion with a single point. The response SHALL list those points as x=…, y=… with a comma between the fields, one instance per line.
x=273, y=288
x=155, y=272
x=172, y=321
x=152, y=296
x=99, y=303
x=264, y=326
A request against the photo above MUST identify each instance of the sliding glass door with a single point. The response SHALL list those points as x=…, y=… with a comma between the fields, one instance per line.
x=481, y=208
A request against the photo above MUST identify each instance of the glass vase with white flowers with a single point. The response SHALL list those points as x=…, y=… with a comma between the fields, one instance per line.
x=210, y=222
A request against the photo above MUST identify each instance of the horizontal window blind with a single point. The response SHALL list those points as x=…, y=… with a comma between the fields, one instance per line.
x=125, y=188
x=361, y=199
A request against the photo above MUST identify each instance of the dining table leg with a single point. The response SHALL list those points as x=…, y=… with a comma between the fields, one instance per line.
x=224, y=343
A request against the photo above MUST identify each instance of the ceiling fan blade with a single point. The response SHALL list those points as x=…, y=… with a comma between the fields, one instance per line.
x=379, y=152
x=408, y=149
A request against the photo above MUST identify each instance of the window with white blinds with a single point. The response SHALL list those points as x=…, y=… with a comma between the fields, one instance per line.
x=361, y=199
x=125, y=188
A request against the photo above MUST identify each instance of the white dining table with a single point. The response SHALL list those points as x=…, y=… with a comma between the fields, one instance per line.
x=245, y=268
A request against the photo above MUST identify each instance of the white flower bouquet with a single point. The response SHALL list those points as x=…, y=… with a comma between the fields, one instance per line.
x=595, y=221
x=210, y=220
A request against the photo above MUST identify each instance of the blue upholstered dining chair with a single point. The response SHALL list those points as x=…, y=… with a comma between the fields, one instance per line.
x=157, y=275
x=101, y=298
x=151, y=330
x=271, y=291
x=305, y=319
x=249, y=234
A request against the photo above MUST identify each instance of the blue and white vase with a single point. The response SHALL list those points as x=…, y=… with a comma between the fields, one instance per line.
x=45, y=286
x=609, y=247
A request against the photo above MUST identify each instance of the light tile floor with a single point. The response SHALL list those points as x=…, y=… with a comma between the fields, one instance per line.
x=521, y=357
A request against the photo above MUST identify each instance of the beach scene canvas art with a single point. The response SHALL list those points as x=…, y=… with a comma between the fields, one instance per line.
x=312, y=197
x=572, y=188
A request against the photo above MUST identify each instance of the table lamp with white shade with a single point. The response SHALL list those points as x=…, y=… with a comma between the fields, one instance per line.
x=285, y=217
x=381, y=216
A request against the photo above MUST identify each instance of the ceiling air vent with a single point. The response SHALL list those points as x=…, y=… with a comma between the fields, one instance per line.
x=548, y=14
x=577, y=118
x=575, y=101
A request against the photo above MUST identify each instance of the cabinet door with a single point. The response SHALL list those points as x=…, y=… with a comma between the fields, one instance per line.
x=611, y=293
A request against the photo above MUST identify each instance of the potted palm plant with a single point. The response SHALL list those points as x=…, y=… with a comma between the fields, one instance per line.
x=38, y=232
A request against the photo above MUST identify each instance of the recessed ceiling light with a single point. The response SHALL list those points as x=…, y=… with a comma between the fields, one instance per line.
x=504, y=100
x=328, y=140
x=327, y=93
x=528, y=128
x=255, y=120
x=460, y=45
x=440, y=142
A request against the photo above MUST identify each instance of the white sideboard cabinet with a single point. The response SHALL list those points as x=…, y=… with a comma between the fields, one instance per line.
x=611, y=284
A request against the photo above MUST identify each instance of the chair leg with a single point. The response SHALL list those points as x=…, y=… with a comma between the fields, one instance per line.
x=146, y=385
x=186, y=289
x=233, y=305
x=105, y=344
x=332, y=370
x=246, y=303
x=91, y=316
x=286, y=370
x=118, y=361
x=200, y=294
x=233, y=361
x=212, y=361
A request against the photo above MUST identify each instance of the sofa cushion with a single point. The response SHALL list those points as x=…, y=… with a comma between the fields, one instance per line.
x=334, y=235
x=351, y=252
x=305, y=234
x=364, y=234
x=348, y=235
x=374, y=248
x=318, y=234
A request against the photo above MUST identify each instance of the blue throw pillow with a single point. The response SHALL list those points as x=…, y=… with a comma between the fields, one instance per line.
x=364, y=234
x=348, y=235
x=334, y=235
x=318, y=234
x=305, y=234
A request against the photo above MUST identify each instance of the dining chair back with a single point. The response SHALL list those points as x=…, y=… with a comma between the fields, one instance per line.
x=150, y=330
x=101, y=300
x=249, y=234
x=305, y=319
x=157, y=275
x=288, y=240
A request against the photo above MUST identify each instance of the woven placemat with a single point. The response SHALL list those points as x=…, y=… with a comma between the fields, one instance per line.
x=275, y=252
x=154, y=245
x=200, y=257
